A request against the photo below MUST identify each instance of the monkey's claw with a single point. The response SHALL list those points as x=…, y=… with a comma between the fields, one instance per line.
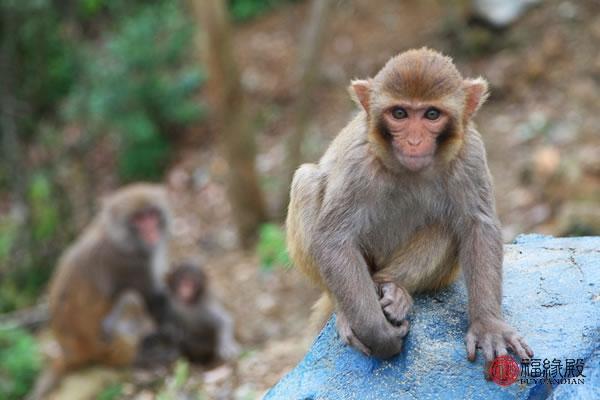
x=395, y=302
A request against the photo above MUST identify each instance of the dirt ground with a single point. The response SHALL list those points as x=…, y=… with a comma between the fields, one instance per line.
x=540, y=128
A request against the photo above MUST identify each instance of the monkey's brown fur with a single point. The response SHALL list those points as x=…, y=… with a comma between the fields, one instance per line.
x=106, y=260
x=370, y=231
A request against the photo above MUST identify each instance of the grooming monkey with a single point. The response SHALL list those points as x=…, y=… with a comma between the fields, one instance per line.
x=201, y=328
x=105, y=281
x=400, y=199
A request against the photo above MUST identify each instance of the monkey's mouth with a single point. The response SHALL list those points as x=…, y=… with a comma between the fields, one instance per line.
x=415, y=163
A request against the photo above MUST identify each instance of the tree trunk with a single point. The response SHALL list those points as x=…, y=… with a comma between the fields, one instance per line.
x=230, y=118
x=306, y=79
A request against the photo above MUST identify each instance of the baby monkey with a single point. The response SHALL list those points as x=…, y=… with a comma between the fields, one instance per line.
x=399, y=201
x=201, y=328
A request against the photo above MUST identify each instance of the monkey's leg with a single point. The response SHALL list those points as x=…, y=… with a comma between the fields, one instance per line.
x=427, y=262
x=306, y=196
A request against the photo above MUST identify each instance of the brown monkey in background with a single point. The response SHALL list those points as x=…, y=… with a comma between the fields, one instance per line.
x=106, y=279
x=401, y=198
x=201, y=328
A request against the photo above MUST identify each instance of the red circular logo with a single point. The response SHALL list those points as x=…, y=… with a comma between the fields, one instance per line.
x=504, y=370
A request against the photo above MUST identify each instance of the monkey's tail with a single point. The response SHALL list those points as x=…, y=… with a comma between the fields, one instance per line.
x=321, y=311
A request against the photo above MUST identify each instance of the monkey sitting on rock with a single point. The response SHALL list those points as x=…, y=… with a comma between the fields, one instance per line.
x=401, y=200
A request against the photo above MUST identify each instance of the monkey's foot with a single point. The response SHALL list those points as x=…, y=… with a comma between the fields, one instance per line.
x=228, y=350
x=395, y=302
x=347, y=335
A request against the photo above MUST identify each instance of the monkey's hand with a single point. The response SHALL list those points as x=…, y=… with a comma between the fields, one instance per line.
x=395, y=302
x=347, y=335
x=494, y=337
x=382, y=340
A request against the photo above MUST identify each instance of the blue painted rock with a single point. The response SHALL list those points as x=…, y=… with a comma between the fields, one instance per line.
x=551, y=295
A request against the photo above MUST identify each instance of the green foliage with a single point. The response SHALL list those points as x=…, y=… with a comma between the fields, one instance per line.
x=182, y=373
x=44, y=213
x=8, y=233
x=20, y=287
x=112, y=392
x=44, y=72
x=140, y=86
x=21, y=284
x=242, y=10
x=20, y=362
x=179, y=385
x=271, y=247
x=11, y=296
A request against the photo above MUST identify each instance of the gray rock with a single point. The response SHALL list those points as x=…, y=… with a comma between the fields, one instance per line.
x=551, y=295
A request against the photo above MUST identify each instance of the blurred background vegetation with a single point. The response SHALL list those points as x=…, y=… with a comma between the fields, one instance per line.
x=98, y=93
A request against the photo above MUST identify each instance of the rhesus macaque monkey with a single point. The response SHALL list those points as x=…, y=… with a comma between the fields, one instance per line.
x=202, y=329
x=402, y=198
x=96, y=309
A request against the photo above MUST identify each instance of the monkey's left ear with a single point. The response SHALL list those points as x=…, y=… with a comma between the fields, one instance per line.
x=477, y=93
x=360, y=92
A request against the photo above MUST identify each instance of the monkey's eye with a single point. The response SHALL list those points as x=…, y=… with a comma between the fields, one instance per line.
x=399, y=113
x=432, y=113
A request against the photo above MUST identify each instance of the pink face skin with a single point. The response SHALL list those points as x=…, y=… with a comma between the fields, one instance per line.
x=414, y=129
x=148, y=226
x=187, y=291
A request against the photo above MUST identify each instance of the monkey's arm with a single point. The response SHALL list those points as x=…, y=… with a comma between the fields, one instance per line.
x=480, y=255
x=347, y=277
x=481, y=258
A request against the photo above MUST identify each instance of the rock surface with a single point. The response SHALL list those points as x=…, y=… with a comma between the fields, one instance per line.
x=551, y=295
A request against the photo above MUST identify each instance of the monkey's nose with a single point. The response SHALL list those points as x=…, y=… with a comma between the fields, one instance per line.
x=415, y=141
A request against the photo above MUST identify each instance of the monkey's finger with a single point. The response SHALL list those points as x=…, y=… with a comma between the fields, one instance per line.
x=487, y=348
x=500, y=348
x=386, y=301
x=517, y=348
x=403, y=327
x=528, y=349
x=486, y=371
x=471, y=343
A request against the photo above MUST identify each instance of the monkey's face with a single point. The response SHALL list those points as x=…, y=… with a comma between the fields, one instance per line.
x=418, y=106
x=187, y=284
x=187, y=291
x=147, y=225
x=413, y=130
x=137, y=218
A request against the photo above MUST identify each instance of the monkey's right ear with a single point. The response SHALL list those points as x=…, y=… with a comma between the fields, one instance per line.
x=360, y=92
